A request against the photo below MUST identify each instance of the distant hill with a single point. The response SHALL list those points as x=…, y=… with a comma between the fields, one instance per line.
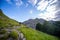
x=12, y=30
x=32, y=22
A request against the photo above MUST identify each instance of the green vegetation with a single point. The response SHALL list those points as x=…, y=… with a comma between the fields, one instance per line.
x=32, y=34
x=14, y=35
x=3, y=31
x=39, y=26
x=57, y=29
x=49, y=28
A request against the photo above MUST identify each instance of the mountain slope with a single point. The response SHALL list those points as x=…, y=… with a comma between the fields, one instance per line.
x=6, y=21
x=8, y=28
x=13, y=30
x=49, y=27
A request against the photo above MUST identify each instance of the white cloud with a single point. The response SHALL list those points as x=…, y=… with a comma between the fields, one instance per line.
x=49, y=14
x=53, y=1
x=42, y=5
x=9, y=1
x=33, y=2
x=51, y=8
x=31, y=11
x=18, y=2
x=50, y=1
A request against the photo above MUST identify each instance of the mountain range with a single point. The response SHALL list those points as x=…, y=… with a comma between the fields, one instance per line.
x=51, y=27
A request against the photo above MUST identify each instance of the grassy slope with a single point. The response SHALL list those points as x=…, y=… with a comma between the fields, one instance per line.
x=7, y=22
x=31, y=34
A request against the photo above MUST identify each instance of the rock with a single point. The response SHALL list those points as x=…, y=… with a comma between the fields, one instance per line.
x=10, y=39
x=21, y=35
x=1, y=35
x=24, y=38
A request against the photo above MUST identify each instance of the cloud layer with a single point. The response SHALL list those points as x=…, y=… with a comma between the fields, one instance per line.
x=49, y=9
x=58, y=11
x=33, y=2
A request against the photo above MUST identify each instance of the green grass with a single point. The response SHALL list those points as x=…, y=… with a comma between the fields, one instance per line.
x=14, y=35
x=8, y=22
x=31, y=34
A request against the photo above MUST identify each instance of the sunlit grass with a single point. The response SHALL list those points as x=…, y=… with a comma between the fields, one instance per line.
x=32, y=34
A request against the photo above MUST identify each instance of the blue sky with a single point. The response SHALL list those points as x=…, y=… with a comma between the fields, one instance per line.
x=22, y=10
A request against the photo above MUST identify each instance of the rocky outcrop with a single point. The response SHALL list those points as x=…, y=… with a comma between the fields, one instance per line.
x=20, y=34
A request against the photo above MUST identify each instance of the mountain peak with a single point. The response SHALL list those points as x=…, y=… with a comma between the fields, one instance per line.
x=32, y=22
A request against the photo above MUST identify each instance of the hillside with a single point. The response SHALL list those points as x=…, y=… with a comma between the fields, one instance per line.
x=32, y=34
x=8, y=28
x=12, y=30
x=6, y=21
